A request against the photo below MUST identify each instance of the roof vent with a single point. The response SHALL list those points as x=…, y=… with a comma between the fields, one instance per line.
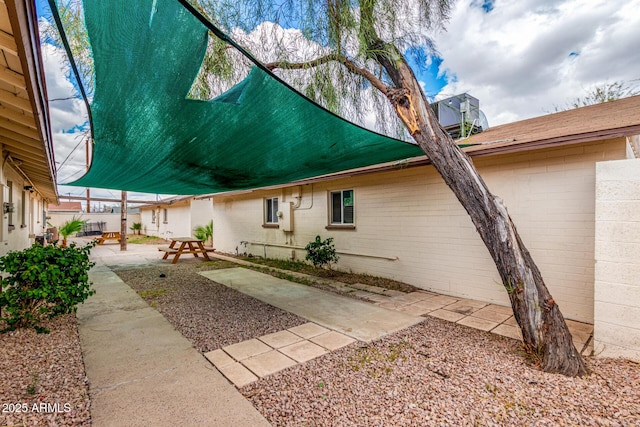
x=460, y=116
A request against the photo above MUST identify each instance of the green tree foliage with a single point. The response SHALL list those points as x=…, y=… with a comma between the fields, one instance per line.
x=321, y=253
x=604, y=92
x=136, y=227
x=204, y=232
x=42, y=282
x=73, y=226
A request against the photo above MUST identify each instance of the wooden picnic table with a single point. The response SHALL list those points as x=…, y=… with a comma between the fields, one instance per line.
x=185, y=245
x=109, y=235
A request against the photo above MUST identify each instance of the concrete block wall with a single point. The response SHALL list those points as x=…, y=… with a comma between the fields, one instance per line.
x=617, y=254
x=411, y=216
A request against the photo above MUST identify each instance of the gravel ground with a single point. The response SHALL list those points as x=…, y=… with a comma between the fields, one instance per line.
x=210, y=315
x=433, y=374
x=42, y=377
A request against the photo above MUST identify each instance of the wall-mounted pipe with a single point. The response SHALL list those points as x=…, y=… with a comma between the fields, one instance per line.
x=277, y=245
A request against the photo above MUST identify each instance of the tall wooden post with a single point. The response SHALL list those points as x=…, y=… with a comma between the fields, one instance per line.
x=123, y=222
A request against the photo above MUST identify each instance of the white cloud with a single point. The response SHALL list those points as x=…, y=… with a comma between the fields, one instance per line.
x=518, y=59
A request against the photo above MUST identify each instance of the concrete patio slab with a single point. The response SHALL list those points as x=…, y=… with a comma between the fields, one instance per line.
x=143, y=372
x=358, y=319
x=303, y=351
x=268, y=363
x=391, y=305
x=246, y=349
x=371, y=297
x=308, y=330
x=280, y=339
x=332, y=340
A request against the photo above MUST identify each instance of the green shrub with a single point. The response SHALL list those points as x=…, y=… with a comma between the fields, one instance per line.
x=42, y=282
x=73, y=226
x=204, y=232
x=136, y=227
x=321, y=253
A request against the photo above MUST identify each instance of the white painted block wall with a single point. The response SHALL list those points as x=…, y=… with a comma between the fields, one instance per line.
x=617, y=254
x=412, y=215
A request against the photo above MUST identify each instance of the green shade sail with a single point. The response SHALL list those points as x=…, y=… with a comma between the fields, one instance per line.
x=149, y=137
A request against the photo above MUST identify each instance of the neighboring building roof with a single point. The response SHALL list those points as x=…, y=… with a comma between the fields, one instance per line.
x=65, y=207
x=596, y=122
x=168, y=201
x=25, y=131
x=614, y=119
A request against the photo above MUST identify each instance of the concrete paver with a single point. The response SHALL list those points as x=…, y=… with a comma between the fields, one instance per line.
x=268, y=363
x=444, y=299
x=280, y=339
x=451, y=316
x=508, y=331
x=466, y=306
x=238, y=374
x=413, y=297
x=415, y=309
x=303, y=351
x=219, y=358
x=245, y=349
x=308, y=330
x=429, y=304
x=494, y=313
x=332, y=340
x=478, y=323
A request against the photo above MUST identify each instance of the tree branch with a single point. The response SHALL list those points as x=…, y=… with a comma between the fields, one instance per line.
x=332, y=57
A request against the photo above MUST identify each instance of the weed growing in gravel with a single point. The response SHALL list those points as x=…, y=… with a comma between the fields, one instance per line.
x=153, y=293
x=32, y=387
x=377, y=361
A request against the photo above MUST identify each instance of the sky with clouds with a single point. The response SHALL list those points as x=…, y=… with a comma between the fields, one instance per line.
x=520, y=58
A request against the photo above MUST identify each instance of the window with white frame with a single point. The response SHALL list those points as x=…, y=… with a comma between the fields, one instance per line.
x=165, y=217
x=341, y=207
x=271, y=210
x=153, y=216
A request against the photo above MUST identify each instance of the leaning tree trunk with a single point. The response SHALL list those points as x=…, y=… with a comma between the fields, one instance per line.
x=544, y=330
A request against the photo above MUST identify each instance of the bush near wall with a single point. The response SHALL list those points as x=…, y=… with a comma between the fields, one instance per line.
x=42, y=282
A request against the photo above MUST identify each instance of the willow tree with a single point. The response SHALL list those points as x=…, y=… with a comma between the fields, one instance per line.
x=348, y=47
x=363, y=40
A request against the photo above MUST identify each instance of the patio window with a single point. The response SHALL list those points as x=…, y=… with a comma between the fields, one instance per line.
x=153, y=216
x=271, y=210
x=165, y=216
x=341, y=207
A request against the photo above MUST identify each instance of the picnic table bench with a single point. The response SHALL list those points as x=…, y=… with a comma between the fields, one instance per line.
x=109, y=235
x=188, y=245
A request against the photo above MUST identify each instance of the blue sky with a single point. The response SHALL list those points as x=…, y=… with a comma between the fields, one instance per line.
x=520, y=58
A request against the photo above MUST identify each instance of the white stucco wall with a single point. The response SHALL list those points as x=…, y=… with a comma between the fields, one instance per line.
x=18, y=229
x=111, y=220
x=617, y=253
x=182, y=218
x=412, y=215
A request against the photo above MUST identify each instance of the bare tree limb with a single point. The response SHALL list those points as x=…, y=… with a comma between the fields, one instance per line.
x=333, y=57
